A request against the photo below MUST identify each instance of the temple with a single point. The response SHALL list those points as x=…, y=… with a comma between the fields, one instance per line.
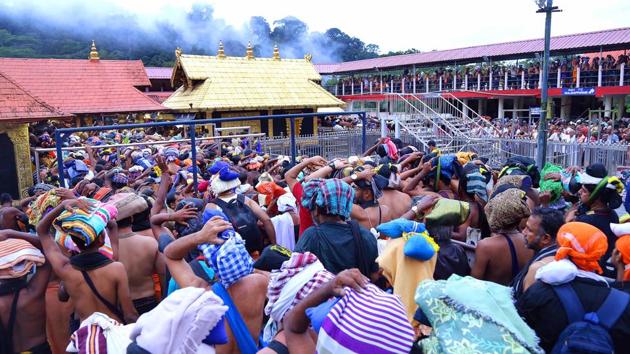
x=224, y=86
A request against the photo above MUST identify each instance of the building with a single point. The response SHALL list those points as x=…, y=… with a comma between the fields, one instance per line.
x=91, y=89
x=160, y=79
x=222, y=86
x=18, y=107
x=496, y=79
x=84, y=91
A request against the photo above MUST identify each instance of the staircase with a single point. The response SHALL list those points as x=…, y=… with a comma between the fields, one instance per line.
x=446, y=120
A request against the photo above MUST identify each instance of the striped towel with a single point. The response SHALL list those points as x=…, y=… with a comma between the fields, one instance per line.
x=17, y=258
x=82, y=225
x=369, y=322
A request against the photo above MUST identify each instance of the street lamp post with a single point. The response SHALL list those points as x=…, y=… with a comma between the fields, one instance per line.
x=547, y=8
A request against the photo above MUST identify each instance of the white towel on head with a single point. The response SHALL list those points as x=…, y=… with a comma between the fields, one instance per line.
x=180, y=322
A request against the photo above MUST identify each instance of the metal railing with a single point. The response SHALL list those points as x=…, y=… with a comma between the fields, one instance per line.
x=63, y=133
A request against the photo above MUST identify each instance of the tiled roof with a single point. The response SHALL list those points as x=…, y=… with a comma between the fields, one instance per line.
x=83, y=86
x=156, y=72
x=18, y=105
x=238, y=83
x=159, y=96
x=590, y=41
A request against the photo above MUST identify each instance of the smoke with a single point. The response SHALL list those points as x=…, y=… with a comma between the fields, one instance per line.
x=135, y=35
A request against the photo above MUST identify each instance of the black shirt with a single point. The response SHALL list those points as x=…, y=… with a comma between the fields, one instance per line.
x=451, y=259
x=333, y=244
x=602, y=221
x=541, y=308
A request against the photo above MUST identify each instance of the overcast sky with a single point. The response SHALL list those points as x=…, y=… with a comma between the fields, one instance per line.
x=425, y=25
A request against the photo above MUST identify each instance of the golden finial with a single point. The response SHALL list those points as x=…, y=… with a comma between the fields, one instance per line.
x=308, y=57
x=221, y=52
x=93, y=52
x=276, y=52
x=178, y=52
x=250, y=51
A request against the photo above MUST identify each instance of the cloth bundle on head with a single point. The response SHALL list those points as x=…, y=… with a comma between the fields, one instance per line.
x=389, y=149
x=120, y=179
x=287, y=202
x=476, y=183
x=180, y=322
x=583, y=244
x=41, y=206
x=507, y=209
x=217, y=166
x=390, y=172
x=334, y=196
x=444, y=168
x=226, y=180
x=170, y=153
x=99, y=334
x=472, y=321
x=272, y=257
x=377, y=183
x=75, y=168
x=521, y=165
x=270, y=190
x=623, y=246
x=18, y=258
x=464, y=157
x=554, y=187
x=194, y=224
x=42, y=188
x=448, y=212
x=127, y=204
x=296, y=279
x=84, y=227
x=601, y=186
x=230, y=260
x=371, y=321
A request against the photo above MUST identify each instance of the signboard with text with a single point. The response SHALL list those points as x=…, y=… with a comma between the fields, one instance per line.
x=534, y=111
x=578, y=91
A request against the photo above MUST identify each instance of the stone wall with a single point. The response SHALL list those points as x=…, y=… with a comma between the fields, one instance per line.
x=18, y=133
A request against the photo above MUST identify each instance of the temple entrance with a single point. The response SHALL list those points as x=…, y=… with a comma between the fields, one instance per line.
x=8, y=168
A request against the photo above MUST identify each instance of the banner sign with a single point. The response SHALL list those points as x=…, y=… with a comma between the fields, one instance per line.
x=578, y=91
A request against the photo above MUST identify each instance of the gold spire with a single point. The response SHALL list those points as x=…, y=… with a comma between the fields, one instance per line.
x=93, y=52
x=221, y=52
x=178, y=52
x=276, y=52
x=308, y=57
x=250, y=51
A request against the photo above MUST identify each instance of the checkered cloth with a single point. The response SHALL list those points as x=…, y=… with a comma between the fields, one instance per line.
x=333, y=195
x=230, y=260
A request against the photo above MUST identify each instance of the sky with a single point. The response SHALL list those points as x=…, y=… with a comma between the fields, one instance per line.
x=425, y=25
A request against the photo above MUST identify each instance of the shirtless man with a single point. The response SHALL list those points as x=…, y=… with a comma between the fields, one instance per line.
x=366, y=209
x=248, y=293
x=28, y=330
x=13, y=218
x=500, y=257
x=141, y=258
x=109, y=279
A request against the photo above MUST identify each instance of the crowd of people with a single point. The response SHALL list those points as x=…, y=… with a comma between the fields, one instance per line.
x=396, y=251
x=492, y=76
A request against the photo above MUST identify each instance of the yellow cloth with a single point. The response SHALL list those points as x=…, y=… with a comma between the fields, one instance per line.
x=405, y=273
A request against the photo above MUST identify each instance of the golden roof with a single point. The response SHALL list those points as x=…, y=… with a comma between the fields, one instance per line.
x=210, y=83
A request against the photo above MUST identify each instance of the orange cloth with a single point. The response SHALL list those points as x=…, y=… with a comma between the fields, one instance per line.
x=271, y=190
x=623, y=246
x=583, y=244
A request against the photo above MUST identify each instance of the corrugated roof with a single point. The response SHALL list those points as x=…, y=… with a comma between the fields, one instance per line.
x=156, y=72
x=83, y=86
x=238, y=83
x=586, y=41
x=18, y=105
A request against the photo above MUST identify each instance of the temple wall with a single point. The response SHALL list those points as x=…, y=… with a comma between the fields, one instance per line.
x=18, y=134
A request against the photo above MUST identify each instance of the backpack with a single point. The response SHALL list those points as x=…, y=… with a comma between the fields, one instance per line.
x=588, y=332
x=243, y=220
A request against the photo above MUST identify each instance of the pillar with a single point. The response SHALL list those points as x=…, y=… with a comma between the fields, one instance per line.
x=465, y=107
x=565, y=107
x=608, y=102
x=482, y=104
x=500, y=107
x=18, y=134
x=621, y=105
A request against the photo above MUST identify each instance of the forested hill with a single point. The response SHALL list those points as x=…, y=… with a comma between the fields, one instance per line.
x=122, y=37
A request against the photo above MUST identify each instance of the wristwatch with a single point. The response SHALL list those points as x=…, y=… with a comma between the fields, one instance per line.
x=414, y=209
x=332, y=165
x=354, y=177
